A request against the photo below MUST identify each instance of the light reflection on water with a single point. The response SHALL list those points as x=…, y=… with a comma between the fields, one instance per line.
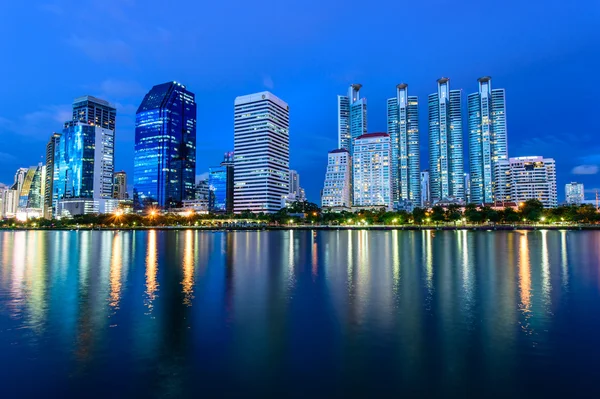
x=416, y=312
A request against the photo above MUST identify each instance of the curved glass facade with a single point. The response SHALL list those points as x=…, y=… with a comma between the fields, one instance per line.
x=165, y=147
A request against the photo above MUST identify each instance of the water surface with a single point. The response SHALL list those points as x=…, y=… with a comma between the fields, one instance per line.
x=299, y=313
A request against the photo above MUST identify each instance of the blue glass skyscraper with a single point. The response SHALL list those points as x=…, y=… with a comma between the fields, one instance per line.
x=487, y=139
x=165, y=147
x=446, y=159
x=352, y=117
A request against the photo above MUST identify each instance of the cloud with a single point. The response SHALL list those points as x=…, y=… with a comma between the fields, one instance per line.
x=38, y=124
x=202, y=176
x=585, y=170
x=5, y=157
x=268, y=82
x=112, y=88
x=96, y=49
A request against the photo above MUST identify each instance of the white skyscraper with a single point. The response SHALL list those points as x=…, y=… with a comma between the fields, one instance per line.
x=574, y=193
x=523, y=178
x=425, y=193
x=352, y=117
x=261, y=148
x=337, y=187
x=372, y=170
x=294, y=183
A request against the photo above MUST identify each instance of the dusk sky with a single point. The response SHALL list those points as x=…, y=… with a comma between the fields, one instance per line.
x=546, y=54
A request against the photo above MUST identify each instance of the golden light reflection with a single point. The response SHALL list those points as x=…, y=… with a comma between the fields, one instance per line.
x=116, y=263
x=17, y=293
x=429, y=260
x=565, y=259
x=315, y=259
x=524, y=279
x=546, y=281
x=151, y=270
x=188, y=268
x=350, y=258
x=396, y=257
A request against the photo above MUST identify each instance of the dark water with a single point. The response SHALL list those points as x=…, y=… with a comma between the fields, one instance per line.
x=330, y=313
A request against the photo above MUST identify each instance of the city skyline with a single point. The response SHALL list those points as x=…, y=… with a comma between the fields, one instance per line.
x=151, y=49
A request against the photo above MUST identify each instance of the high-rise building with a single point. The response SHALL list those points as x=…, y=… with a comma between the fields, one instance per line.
x=93, y=111
x=120, y=185
x=487, y=138
x=220, y=183
x=31, y=195
x=83, y=163
x=403, y=128
x=19, y=179
x=372, y=170
x=165, y=147
x=574, y=193
x=48, y=209
x=261, y=148
x=425, y=193
x=352, y=117
x=9, y=201
x=337, y=187
x=446, y=160
x=294, y=183
x=523, y=178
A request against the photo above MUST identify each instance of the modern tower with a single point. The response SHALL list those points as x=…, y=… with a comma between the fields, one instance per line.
x=487, y=138
x=337, y=187
x=446, y=160
x=165, y=147
x=261, y=148
x=220, y=184
x=294, y=183
x=574, y=193
x=403, y=128
x=371, y=168
x=48, y=187
x=120, y=185
x=352, y=117
x=93, y=111
x=523, y=178
x=425, y=192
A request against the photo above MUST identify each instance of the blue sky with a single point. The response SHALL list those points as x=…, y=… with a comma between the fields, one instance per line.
x=545, y=53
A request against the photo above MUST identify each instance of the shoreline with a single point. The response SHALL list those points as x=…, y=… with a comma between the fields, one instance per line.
x=318, y=227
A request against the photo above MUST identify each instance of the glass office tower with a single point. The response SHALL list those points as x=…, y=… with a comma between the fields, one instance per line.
x=446, y=160
x=217, y=184
x=403, y=128
x=165, y=147
x=487, y=139
x=352, y=117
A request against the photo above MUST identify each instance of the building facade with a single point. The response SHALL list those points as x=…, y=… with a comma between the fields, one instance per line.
x=31, y=195
x=120, y=185
x=371, y=166
x=446, y=159
x=574, y=193
x=261, y=152
x=487, y=138
x=48, y=209
x=468, y=198
x=93, y=111
x=165, y=147
x=337, y=186
x=294, y=183
x=403, y=128
x=425, y=193
x=523, y=178
x=352, y=117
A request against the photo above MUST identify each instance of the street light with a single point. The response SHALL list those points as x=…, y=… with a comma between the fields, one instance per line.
x=349, y=221
x=395, y=221
x=543, y=218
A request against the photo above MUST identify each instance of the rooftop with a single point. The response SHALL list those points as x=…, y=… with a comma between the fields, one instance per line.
x=372, y=135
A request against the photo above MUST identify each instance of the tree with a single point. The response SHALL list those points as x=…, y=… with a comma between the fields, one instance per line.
x=510, y=215
x=472, y=214
x=438, y=214
x=532, y=210
x=418, y=215
x=453, y=213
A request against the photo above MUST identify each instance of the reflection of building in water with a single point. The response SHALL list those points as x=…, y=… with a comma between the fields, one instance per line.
x=188, y=268
x=524, y=280
x=116, y=263
x=151, y=270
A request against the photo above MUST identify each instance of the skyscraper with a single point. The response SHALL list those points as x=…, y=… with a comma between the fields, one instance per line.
x=48, y=209
x=337, y=187
x=487, y=138
x=220, y=184
x=261, y=148
x=468, y=198
x=523, y=178
x=352, y=117
x=93, y=111
x=294, y=183
x=83, y=163
x=574, y=193
x=446, y=160
x=371, y=168
x=120, y=185
x=403, y=128
x=165, y=147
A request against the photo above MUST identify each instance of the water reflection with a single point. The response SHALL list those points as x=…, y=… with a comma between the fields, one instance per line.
x=253, y=309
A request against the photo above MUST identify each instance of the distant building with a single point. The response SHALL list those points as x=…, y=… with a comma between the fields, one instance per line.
x=425, y=193
x=487, y=139
x=202, y=190
x=574, y=193
x=9, y=201
x=403, y=128
x=31, y=196
x=523, y=178
x=53, y=143
x=468, y=197
x=165, y=147
x=352, y=117
x=337, y=188
x=217, y=184
x=371, y=169
x=294, y=183
x=93, y=111
x=261, y=148
x=120, y=185
x=446, y=159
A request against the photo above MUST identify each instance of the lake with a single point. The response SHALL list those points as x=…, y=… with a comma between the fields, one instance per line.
x=299, y=313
